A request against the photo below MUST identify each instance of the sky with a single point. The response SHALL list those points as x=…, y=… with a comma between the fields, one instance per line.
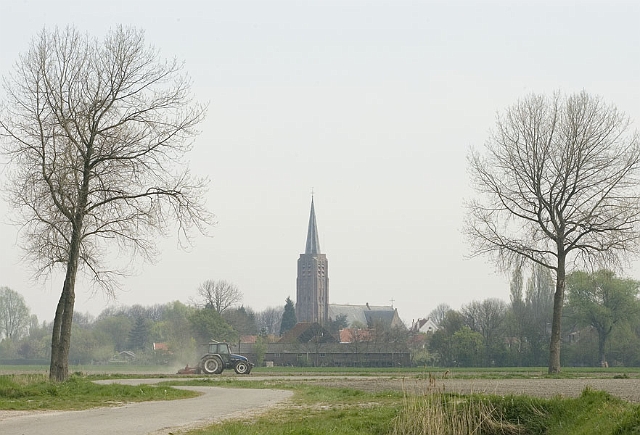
x=372, y=105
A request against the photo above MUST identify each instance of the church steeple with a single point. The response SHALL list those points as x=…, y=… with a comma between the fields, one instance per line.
x=313, y=243
x=312, y=284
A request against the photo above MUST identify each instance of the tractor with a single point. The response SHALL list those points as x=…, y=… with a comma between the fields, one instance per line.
x=219, y=357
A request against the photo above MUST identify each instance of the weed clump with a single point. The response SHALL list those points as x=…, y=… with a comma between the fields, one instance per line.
x=436, y=412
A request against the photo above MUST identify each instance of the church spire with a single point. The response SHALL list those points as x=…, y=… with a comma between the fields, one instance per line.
x=312, y=283
x=313, y=244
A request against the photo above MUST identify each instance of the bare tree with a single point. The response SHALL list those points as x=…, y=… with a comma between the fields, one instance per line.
x=96, y=132
x=486, y=317
x=438, y=314
x=14, y=314
x=557, y=186
x=268, y=320
x=219, y=295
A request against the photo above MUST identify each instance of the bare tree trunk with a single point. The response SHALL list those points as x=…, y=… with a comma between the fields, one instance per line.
x=61, y=336
x=556, y=322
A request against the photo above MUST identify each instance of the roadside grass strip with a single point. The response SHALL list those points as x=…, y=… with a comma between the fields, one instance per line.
x=36, y=392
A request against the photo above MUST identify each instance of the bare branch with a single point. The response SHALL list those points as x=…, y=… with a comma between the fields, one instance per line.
x=96, y=132
x=219, y=295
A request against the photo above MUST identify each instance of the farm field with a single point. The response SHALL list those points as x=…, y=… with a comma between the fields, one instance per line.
x=623, y=383
x=365, y=401
x=623, y=388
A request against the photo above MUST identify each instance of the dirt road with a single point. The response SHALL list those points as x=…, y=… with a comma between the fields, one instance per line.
x=156, y=418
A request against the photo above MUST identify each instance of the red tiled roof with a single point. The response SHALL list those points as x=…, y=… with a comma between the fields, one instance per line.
x=161, y=346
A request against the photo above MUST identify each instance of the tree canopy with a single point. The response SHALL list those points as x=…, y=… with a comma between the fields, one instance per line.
x=14, y=314
x=289, y=319
x=603, y=301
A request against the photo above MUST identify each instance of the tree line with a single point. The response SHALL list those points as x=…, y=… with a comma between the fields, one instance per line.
x=600, y=314
x=602, y=326
x=181, y=328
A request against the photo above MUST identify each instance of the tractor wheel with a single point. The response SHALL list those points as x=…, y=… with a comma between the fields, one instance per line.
x=212, y=365
x=242, y=368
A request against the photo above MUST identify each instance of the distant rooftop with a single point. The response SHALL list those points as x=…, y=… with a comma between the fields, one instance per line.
x=365, y=315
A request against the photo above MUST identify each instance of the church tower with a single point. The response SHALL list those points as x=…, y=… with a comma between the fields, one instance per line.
x=312, y=285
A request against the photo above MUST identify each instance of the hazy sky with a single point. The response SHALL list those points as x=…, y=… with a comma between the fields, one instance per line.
x=372, y=104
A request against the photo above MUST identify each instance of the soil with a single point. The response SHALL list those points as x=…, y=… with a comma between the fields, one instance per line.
x=627, y=389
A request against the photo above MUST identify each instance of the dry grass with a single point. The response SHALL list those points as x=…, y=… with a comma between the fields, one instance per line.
x=435, y=412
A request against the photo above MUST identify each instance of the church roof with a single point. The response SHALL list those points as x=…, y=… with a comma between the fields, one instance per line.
x=365, y=315
x=313, y=243
x=305, y=332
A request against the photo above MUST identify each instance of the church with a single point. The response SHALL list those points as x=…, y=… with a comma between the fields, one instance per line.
x=311, y=342
x=312, y=291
